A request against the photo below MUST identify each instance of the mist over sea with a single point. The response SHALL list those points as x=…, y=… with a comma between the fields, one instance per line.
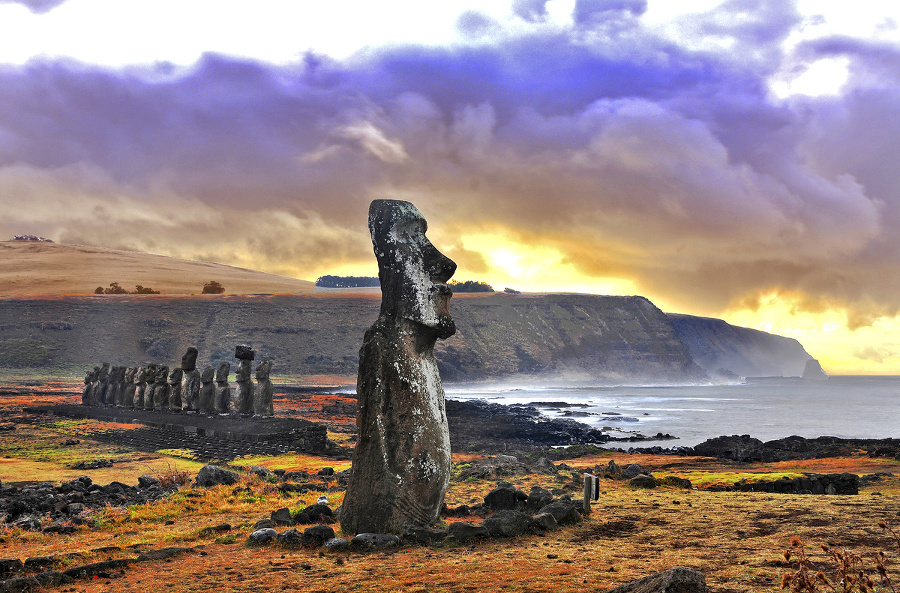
x=842, y=406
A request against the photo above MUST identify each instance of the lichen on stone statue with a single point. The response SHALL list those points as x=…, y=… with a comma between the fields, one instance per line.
x=401, y=464
x=190, y=382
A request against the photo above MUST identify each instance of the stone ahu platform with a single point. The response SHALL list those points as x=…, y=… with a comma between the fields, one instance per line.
x=211, y=437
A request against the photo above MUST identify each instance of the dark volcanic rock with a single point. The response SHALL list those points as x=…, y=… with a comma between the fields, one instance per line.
x=401, y=464
x=375, y=541
x=463, y=532
x=213, y=475
x=675, y=580
x=508, y=524
x=317, y=535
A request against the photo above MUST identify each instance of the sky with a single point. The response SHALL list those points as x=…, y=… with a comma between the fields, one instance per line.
x=736, y=159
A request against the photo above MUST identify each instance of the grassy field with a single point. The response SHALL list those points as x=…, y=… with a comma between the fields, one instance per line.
x=736, y=539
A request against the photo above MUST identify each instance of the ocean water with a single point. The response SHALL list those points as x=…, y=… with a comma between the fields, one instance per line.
x=842, y=406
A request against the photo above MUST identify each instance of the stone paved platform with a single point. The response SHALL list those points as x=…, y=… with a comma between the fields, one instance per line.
x=211, y=436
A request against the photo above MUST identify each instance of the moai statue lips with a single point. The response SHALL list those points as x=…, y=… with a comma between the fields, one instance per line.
x=401, y=464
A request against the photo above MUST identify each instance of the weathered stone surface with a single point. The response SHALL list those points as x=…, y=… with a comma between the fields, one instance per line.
x=151, y=374
x=633, y=470
x=375, y=541
x=291, y=538
x=676, y=482
x=190, y=384
x=675, y=580
x=401, y=464
x=89, y=379
x=317, y=535
x=10, y=566
x=501, y=498
x=222, y=400
x=282, y=516
x=537, y=499
x=161, y=388
x=545, y=521
x=643, y=481
x=213, y=475
x=564, y=511
x=243, y=393
x=315, y=513
x=140, y=388
x=507, y=524
x=263, y=536
x=175, y=379
x=130, y=387
x=147, y=481
x=262, y=398
x=337, y=544
x=463, y=532
x=206, y=401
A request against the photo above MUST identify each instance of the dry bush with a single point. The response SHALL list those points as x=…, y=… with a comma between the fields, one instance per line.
x=850, y=573
x=173, y=477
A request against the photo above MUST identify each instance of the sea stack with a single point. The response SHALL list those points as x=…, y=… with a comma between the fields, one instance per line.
x=814, y=371
x=401, y=464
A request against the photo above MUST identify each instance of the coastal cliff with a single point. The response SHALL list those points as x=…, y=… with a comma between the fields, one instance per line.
x=554, y=337
x=716, y=345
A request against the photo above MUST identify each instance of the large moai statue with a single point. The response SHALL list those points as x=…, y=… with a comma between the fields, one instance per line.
x=161, y=389
x=190, y=383
x=130, y=387
x=206, y=401
x=401, y=464
x=140, y=387
x=262, y=399
x=119, y=399
x=223, y=389
x=98, y=396
x=243, y=393
x=175, y=389
x=89, y=379
x=151, y=386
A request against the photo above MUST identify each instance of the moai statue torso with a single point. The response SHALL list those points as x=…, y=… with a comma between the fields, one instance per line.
x=401, y=464
x=89, y=380
x=161, y=389
x=223, y=389
x=175, y=379
x=190, y=383
x=151, y=386
x=130, y=387
x=99, y=393
x=207, y=397
x=140, y=387
x=262, y=399
x=120, y=386
x=243, y=394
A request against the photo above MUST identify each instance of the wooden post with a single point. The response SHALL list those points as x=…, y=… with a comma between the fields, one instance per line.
x=588, y=493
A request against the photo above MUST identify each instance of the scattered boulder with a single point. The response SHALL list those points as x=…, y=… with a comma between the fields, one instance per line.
x=317, y=535
x=675, y=580
x=263, y=536
x=507, y=524
x=643, y=481
x=537, y=499
x=501, y=498
x=545, y=521
x=564, y=511
x=463, y=532
x=282, y=517
x=258, y=470
x=291, y=538
x=423, y=536
x=676, y=482
x=315, y=513
x=374, y=541
x=633, y=470
x=147, y=481
x=213, y=475
x=10, y=566
x=337, y=544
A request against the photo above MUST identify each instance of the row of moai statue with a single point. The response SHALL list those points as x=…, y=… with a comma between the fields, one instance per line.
x=185, y=388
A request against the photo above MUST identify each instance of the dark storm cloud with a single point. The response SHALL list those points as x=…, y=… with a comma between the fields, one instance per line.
x=630, y=155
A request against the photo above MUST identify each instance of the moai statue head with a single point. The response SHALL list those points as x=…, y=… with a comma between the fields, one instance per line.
x=208, y=374
x=162, y=373
x=150, y=375
x=129, y=375
x=140, y=375
x=89, y=376
x=223, y=371
x=189, y=360
x=243, y=372
x=263, y=369
x=244, y=352
x=176, y=376
x=104, y=372
x=413, y=273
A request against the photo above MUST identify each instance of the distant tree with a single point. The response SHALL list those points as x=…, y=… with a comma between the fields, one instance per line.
x=213, y=287
x=509, y=290
x=99, y=290
x=114, y=288
x=471, y=286
x=347, y=281
x=138, y=289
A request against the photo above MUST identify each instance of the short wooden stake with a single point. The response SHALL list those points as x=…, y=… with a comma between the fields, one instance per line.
x=588, y=493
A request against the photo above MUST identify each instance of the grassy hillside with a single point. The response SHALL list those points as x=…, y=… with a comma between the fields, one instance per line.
x=43, y=268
